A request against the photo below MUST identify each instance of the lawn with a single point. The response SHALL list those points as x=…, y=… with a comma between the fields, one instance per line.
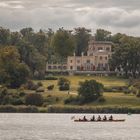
x=112, y=99
x=74, y=80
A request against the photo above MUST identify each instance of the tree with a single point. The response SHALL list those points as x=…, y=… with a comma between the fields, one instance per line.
x=126, y=56
x=4, y=36
x=90, y=90
x=13, y=73
x=34, y=99
x=82, y=36
x=63, y=43
x=102, y=35
x=31, y=56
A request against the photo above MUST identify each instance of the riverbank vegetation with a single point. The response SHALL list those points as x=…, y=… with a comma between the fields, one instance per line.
x=61, y=101
x=24, y=82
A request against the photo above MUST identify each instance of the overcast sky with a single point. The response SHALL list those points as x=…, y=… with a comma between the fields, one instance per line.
x=113, y=15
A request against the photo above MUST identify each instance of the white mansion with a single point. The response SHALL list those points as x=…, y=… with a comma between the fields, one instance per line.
x=96, y=60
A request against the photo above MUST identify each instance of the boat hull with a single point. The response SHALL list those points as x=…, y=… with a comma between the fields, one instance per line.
x=121, y=120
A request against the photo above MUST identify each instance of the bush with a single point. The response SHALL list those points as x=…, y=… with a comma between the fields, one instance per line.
x=51, y=87
x=30, y=85
x=78, y=100
x=51, y=78
x=34, y=99
x=17, y=101
x=64, y=84
x=90, y=90
x=101, y=99
x=64, y=87
x=39, y=84
x=138, y=94
x=22, y=93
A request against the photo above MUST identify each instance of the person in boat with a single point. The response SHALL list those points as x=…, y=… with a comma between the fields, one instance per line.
x=84, y=118
x=111, y=118
x=104, y=118
x=93, y=118
x=99, y=118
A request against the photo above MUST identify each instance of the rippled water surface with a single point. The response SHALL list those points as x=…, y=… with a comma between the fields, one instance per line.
x=61, y=127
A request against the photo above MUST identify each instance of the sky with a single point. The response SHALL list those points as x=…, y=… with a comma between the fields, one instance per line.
x=114, y=15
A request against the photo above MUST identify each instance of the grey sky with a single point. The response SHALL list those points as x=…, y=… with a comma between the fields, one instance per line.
x=114, y=15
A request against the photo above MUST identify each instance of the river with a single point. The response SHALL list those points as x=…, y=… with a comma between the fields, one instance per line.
x=61, y=127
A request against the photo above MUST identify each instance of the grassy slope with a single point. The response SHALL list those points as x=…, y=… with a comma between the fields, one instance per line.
x=112, y=99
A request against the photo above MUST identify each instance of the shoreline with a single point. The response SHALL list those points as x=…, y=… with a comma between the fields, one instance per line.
x=69, y=109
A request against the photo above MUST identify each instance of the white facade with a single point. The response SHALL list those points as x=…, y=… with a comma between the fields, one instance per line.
x=97, y=58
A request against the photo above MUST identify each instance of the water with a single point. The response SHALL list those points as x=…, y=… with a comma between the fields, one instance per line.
x=61, y=127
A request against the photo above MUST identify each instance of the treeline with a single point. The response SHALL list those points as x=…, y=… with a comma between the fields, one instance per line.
x=24, y=53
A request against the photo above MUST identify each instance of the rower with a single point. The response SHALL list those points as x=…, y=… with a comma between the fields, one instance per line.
x=111, y=118
x=99, y=118
x=84, y=118
x=104, y=118
x=93, y=118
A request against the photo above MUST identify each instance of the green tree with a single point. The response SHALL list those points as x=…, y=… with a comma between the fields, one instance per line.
x=82, y=36
x=63, y=43
x=102, y=35
x=90, y=90
x=31, y=56
x=12, y=72
x=126, y=56
x=4, y=36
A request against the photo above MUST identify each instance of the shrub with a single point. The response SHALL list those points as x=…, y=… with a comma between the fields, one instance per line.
x=64, y=84
x=22, y=93
x=64, y=87
x=62, y=81
x=138, y=94
x=3, y=94
x=17, y=101
x=101, y=99
x=51, y=87
x=39, y=84
x=30, y=85
x=90, y=90
x=51, y=78
x=34, y=99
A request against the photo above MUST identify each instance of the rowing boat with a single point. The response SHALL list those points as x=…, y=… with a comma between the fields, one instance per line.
x=120, y=120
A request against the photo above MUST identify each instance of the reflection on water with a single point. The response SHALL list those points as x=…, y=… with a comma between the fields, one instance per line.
x=61, y=127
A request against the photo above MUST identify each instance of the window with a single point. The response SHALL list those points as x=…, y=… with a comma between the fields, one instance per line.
x=71, y=61
x=88, y=61
x=78, y=61
x=64, y=67
x=106, y=58
x=100, y=48
x=71, y=67
x=108, y=49
x=78, y=67
x=54, y=67
x=101, y=57
x=49, y=67
x=59, y=67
